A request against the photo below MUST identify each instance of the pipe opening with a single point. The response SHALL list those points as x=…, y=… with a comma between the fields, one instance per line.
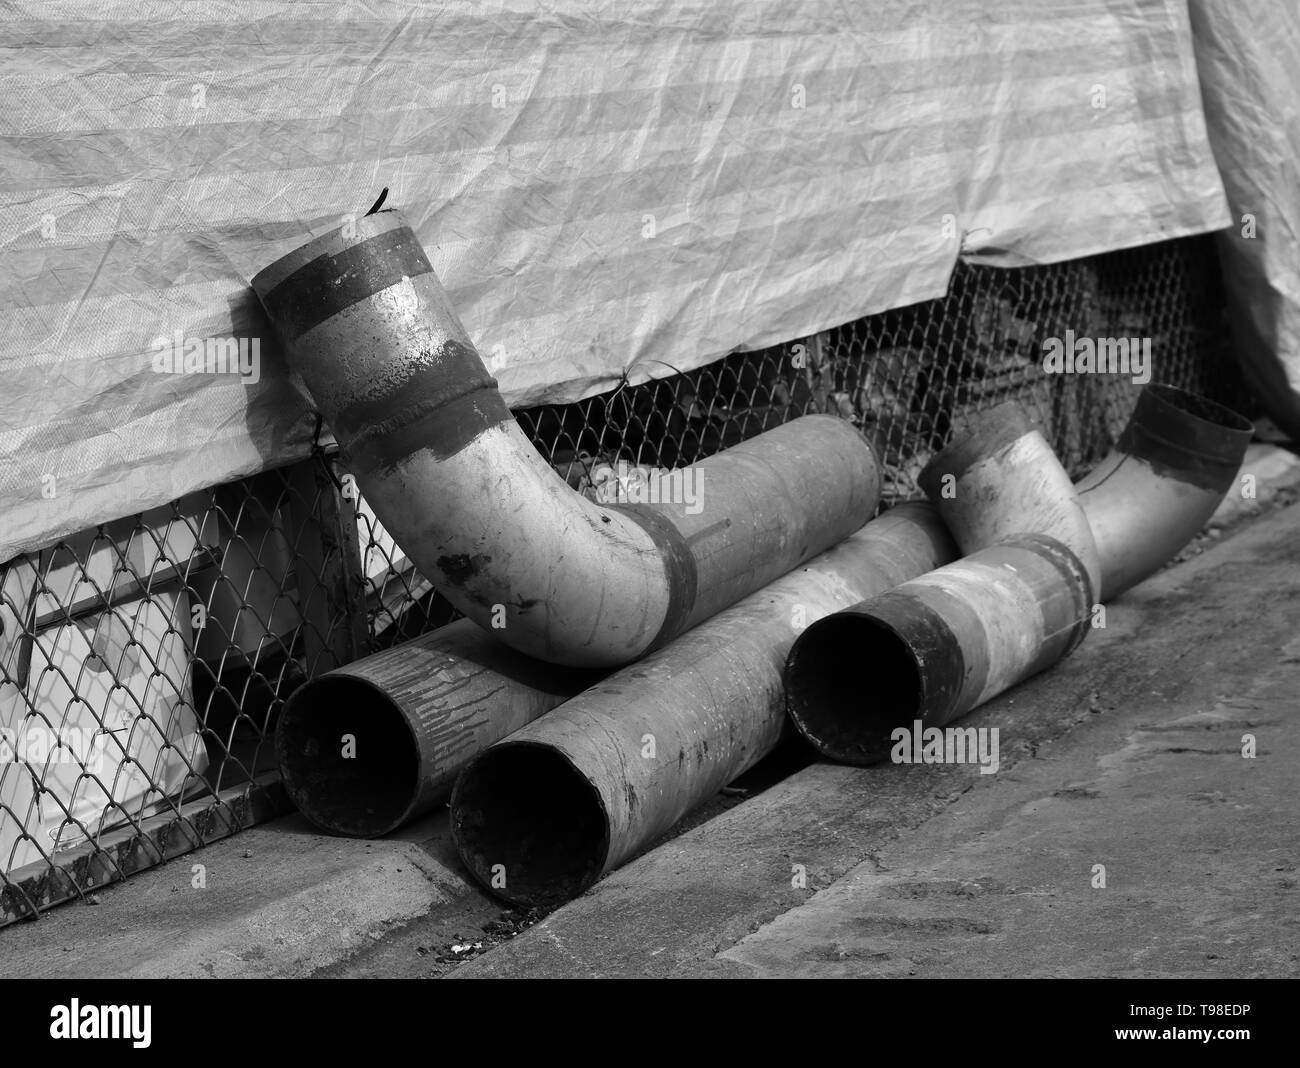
x=1199, y=407
x=850, y=681
x=529, y=824
x=347, y=756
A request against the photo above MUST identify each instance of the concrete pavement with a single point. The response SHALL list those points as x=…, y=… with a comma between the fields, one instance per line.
x=1127, y=755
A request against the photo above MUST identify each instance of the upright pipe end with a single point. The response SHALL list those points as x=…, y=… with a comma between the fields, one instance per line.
x=1186, y=436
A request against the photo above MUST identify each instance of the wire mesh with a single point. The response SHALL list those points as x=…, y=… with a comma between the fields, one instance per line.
x=143, y=663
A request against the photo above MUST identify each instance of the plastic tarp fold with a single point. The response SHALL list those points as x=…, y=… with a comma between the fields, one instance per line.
x=1248, y=56
x=606, y=189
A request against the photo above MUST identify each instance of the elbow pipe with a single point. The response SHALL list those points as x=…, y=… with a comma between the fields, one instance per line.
x=936, y=647
x=947, y=642
x=1000, y=479
x=443, y=464
x=418, y=712
x=1169, y=471
x=944, y=643
x=588, y=786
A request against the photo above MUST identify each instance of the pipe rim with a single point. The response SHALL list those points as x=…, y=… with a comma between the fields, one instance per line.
x=814, y=666
x=1198, y=408
x=475, y=823
x=333, y=801
x=331, y=242
x=1186, y=435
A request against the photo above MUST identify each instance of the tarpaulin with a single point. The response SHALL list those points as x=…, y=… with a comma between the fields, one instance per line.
x=606, y=189
x=1248, y=56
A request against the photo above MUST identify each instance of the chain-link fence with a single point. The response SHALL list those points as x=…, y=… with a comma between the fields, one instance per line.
x=142, y=664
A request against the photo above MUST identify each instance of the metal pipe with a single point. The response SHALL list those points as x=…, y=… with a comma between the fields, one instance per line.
x=936, y=647
x=947, y=642
x=369, y=746
x=999, y=479
x=417, y=713
x=1170, y=469
x=452, y=477
x=542, y=815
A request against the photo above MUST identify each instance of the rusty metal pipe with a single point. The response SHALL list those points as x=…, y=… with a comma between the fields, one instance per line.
x=370, y=746
x=438, y=457
x=936, y=647
x=417, y=713
x=542, y=815
x=1178, y=456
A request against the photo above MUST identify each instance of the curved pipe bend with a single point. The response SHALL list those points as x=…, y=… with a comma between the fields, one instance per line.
x=1040, y=552
x=1169, y=471
x=1000, y=479
x=438, y=456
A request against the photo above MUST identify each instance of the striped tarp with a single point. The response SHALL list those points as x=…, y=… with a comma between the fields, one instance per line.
x=630, y=187
x=1248, y=57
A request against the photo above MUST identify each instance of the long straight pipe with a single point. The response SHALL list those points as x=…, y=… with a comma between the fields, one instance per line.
x=544, y=814
x=936, y=647
x=443, y=464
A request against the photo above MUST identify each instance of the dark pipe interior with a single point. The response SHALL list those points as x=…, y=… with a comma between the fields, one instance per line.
x=849, y=682
x=1201, y=407
x=525, y=807
x=364, y=795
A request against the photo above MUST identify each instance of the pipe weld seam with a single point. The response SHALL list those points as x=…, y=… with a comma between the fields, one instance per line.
x=1074, y=575
x=441, y=430
x=327, y=285
x=680, y=567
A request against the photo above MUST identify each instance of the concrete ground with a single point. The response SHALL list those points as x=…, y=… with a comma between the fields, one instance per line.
x=1127, y=757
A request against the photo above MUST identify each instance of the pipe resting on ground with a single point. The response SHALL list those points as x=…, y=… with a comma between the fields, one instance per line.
x=443, y=464
x=416, y=714
x=945, y=643
x=541, y=816
x=936, y=647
